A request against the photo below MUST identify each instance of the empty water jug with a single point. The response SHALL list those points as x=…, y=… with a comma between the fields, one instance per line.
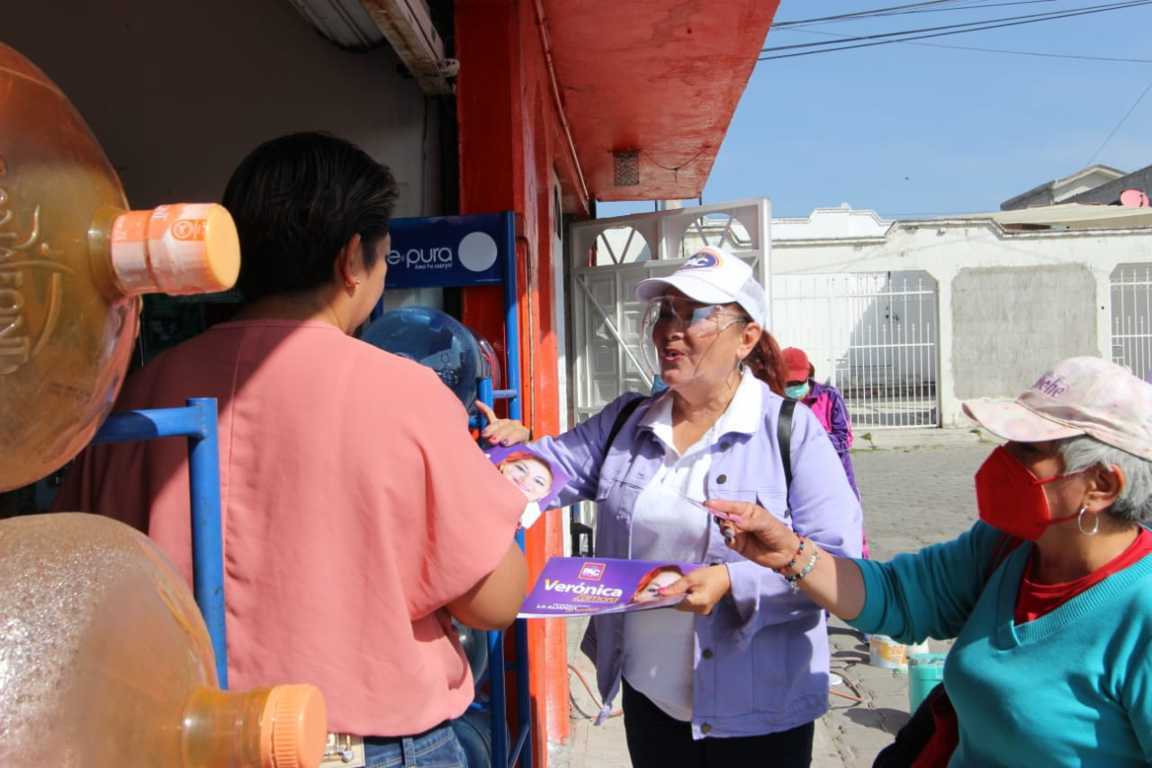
x=73, y=264
x=105, y=661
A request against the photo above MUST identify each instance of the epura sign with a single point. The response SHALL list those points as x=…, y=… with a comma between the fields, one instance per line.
x=449, y=250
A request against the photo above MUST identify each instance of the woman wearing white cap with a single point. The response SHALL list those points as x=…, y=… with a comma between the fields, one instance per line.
x=1049, y=596
x=741, y=672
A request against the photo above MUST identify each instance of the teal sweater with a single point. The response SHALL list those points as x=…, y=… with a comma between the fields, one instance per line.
x=1073, y=687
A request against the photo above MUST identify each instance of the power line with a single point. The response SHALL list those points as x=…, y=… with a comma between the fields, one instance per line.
x=964, y=8
x=1042, y=54
x=1120, y=124
x=914, y=34
x=981, y=24
x=857, y=14
x=898, y=10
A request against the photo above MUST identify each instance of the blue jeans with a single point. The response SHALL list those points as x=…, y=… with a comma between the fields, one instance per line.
x=437, y=748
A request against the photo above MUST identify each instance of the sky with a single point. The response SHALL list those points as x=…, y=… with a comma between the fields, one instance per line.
x=911, y=130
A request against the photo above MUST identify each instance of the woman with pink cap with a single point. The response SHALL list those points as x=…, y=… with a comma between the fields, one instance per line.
x=1049, y=595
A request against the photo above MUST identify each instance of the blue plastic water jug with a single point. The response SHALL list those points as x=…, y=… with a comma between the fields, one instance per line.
x=435, y=339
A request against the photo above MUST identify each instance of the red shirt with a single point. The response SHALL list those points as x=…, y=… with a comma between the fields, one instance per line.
x=1034, y=599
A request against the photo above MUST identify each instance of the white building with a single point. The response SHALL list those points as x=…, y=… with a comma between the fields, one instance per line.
x=907, y=314
x=907, y=317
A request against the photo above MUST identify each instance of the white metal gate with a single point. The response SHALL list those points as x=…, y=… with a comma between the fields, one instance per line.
x=610, y=256
x=1132, y=317
x=873, y=335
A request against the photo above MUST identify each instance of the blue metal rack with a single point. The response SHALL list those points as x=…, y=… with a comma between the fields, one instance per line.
x=197, y=422
x=521, y=749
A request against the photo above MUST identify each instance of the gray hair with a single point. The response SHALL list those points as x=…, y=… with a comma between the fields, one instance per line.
x=1134, y=504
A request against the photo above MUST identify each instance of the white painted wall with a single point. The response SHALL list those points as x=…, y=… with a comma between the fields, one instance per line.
x=841, y=240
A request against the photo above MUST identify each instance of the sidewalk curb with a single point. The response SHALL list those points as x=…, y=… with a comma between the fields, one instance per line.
x=909, y=439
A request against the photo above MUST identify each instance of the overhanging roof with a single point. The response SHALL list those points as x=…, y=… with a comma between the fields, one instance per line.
x=1075, y=216
x=659, y=76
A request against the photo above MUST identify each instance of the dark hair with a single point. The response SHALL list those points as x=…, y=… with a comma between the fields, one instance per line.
x=297, y=200
x=767, y=364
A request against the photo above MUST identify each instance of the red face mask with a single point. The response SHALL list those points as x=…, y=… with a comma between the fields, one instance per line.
x=1011, y=499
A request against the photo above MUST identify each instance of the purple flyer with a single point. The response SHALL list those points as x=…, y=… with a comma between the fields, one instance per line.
x=538, y=478
x=585, y=586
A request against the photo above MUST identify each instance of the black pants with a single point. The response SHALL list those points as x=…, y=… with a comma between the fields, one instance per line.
x=658, y=741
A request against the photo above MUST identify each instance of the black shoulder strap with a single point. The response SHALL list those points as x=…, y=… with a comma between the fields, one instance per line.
x=621, y=419
x=784, y=439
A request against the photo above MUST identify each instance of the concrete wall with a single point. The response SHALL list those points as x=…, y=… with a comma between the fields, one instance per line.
x=1011, y=323
x=179, y=92
x=1060, y=282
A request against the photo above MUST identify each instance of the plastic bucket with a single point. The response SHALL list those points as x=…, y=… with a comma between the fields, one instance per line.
x=925, y=672
x=886, y=653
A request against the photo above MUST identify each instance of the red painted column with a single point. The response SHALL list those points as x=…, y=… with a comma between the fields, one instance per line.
x=486, y=45
x=506, y=156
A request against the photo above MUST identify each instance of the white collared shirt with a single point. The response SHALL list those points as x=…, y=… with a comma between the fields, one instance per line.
x=659, y=645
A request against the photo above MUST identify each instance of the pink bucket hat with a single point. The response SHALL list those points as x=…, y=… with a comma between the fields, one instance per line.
x=1079, y=396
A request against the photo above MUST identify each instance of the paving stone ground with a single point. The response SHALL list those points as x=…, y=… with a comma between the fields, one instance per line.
x=913, y=496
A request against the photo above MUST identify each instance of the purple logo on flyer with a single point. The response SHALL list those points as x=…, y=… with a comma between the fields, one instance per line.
x=592, y=571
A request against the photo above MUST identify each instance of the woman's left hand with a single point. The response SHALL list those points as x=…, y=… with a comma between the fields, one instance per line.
x=702, y=589
x=502, y=431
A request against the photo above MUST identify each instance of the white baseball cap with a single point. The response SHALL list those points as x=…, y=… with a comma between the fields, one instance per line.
x=1079, y=396
x=712, y=276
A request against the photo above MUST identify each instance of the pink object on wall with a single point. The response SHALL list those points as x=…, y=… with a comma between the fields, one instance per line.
x=1134, y=198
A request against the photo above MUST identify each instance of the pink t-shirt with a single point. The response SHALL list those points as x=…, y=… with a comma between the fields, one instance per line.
x=355, y=506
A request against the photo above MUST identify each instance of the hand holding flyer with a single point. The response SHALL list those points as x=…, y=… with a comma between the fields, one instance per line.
x=578, y=586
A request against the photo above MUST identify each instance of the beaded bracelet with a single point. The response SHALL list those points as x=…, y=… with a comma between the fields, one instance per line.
x=796, y=578
x=795, y=559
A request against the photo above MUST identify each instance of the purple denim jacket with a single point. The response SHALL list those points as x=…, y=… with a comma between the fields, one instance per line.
x=761, y=658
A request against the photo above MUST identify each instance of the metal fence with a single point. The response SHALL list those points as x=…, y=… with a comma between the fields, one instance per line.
x=1132, y=317
x=873, y=335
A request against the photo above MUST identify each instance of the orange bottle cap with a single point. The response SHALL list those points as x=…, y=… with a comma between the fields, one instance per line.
x=293, y=727
x=178, y=249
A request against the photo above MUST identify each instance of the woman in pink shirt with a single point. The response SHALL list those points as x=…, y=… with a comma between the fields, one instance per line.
x=358, y=515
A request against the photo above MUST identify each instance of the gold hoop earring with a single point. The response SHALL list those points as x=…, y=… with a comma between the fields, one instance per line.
x=1095, y=522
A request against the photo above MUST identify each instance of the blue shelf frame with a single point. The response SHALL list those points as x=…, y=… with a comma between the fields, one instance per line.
x=520, y=741
x=197, y=422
